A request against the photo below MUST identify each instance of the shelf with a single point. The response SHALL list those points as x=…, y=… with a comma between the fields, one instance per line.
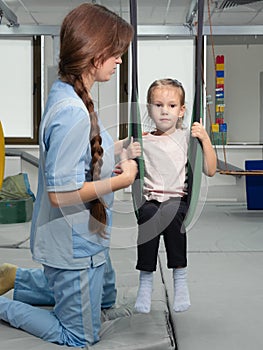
x=240, y=145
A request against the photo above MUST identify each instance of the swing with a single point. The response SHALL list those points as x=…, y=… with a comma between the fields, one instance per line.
x=195, y=156
x=238, y=172
x=241, y=172
x=2, y=155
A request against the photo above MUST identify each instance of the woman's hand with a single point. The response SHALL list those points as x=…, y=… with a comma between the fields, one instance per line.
x=133, y=149
x=127, y=167
x=126, y=170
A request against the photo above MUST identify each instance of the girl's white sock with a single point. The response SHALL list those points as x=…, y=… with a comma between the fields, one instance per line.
x=144, y=295
x=181, y=293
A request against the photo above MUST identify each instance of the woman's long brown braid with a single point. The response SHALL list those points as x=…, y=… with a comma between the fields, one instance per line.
x=98, y=217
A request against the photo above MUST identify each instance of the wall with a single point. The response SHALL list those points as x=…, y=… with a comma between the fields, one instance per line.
x=243, y=112
x=166, y=59
x=243, y=96
x=176, y=59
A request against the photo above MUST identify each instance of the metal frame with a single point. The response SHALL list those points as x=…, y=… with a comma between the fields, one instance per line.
x=28, y=30
x=143, y=30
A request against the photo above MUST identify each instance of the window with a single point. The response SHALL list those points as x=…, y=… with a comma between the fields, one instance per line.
x=20, y=89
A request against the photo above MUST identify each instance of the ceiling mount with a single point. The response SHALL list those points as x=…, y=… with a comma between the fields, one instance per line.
x=8, y=14
x=191, y=14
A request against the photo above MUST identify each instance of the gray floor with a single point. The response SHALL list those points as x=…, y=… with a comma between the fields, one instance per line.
x=225, y=274
x=225, y=279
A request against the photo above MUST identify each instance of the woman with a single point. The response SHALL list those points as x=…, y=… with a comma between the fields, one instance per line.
x=72, y=214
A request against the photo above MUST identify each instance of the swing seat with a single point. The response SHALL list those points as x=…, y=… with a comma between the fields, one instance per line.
x=254, y=185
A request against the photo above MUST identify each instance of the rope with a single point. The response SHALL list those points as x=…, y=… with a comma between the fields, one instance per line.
x=214, y=59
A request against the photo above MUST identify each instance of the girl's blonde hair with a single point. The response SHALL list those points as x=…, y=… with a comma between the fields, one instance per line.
x=90, y=34
x=168, y=82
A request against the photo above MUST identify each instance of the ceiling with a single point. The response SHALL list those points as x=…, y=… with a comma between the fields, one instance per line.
x=150, y=12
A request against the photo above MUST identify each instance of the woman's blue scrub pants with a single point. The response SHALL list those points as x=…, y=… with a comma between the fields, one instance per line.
x=77, y=296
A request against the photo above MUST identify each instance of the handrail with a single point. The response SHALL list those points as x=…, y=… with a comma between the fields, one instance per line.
x=23, y=155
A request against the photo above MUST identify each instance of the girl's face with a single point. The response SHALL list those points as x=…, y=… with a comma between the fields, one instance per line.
x=166, y=108
x=105, y=70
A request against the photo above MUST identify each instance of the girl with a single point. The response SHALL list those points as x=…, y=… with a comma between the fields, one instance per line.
x=72, y=214
x=165, y=190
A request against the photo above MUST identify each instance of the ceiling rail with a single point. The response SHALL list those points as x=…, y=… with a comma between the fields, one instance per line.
x=143, y=30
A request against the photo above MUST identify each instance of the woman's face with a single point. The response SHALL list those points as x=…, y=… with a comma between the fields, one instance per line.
x=105, y=70
x=166, y=108
x=102, y=71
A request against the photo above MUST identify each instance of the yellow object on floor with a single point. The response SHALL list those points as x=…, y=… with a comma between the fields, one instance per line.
x=2, y=155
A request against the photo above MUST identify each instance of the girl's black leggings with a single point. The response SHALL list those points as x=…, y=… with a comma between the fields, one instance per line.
x=156, y=219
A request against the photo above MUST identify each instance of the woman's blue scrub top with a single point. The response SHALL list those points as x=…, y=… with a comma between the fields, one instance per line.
x=60, y=237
